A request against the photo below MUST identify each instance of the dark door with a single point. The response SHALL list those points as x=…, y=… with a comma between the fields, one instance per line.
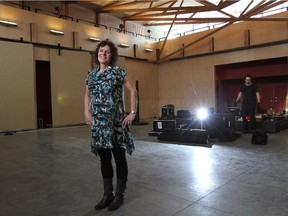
x=43, y=94
x=273, y=92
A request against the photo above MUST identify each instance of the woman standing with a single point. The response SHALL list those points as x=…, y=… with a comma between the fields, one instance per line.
x=105, y=112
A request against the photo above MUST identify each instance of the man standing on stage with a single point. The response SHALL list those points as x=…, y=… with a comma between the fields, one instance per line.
x=250, y=94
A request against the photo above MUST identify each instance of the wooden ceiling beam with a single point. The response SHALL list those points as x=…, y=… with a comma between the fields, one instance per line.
x=216, y=19
x=213, y=20
x=207, y=3
x=227, y=3
x=122, y=4
x=108, y=5
x=170, y=6
x=165, y=13
x=269, y=19
x=127, y=10
x=217, y=8
x=244, y=11
x=261, y=6
x=222, y=4
x=194, y=42
x=159, y=15
x=175, y=23
x=166, y=38
x=157, y=6
x=272, y=5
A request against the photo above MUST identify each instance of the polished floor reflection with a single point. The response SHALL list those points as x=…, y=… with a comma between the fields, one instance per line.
x=52, y=172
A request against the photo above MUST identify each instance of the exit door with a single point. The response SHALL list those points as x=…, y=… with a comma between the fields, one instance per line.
x=43, y=94
x=273, y=92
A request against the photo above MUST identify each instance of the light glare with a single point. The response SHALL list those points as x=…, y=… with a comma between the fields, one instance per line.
x=202, y=114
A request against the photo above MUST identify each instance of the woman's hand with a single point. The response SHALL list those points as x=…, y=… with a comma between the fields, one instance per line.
x=128, y=119
x=88, y=118
x=87, y=103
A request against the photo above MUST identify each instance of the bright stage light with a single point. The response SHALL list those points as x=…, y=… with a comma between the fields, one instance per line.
x=202, y=114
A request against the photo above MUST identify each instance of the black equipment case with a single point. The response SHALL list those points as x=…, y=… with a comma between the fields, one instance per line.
x=162, y=125
x=187, y=135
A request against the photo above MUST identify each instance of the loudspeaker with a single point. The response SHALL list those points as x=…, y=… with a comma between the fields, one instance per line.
x=229, y=121
x=167, y=111
x=259, y=137
x=222, y=126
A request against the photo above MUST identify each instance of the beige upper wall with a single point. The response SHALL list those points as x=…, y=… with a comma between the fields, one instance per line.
x=15, y=15
x=76, y=34
x=233, y=36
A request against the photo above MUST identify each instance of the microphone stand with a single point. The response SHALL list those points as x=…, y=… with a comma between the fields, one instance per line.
x=137, y=118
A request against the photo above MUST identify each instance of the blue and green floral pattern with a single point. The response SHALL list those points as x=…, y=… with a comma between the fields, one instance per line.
x=107, y=109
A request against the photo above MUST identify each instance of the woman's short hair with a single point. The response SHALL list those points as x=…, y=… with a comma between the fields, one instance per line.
x=113, y=50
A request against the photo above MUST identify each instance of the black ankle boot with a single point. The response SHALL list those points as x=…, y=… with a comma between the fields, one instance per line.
x=108, y=195
x=119, y=195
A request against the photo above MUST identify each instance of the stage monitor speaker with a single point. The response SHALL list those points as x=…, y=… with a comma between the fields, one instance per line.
x=259, y=137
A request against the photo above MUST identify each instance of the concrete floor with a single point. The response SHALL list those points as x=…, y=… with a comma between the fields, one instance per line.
x=52, y=172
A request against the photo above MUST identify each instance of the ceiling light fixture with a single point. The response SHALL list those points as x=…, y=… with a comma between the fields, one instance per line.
x=124, y=45
x=57, y=32
x=148, y=50
x=94, y=39
x=8, y=23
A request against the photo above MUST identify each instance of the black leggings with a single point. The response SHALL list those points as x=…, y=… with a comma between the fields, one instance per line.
x=120, y=160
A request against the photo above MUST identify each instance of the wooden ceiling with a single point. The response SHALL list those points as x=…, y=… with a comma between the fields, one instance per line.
x=169, y=13
x=184, y=12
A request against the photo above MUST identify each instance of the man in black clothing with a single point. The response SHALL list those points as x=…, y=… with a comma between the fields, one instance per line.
x=250, y=94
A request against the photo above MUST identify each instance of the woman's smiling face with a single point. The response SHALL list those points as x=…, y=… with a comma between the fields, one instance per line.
x=104, y=55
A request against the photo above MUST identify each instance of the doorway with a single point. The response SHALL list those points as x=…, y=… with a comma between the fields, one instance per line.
x=273, y=93
x=43, y=94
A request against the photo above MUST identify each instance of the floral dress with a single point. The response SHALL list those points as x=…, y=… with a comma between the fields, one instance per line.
x=107, y=109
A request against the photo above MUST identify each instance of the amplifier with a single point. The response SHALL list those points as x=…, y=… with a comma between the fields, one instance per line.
x=167, y=111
